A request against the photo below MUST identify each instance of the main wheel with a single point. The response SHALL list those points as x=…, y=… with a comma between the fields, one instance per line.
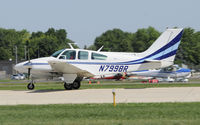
x=31, y=86
x=76, y=84
x=68, y=86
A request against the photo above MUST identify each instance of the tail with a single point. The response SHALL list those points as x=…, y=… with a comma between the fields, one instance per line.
x=165, y=47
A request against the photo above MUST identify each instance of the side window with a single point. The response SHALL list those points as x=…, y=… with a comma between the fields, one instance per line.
x=83, y=55
x=97, y=56
x=69, y=54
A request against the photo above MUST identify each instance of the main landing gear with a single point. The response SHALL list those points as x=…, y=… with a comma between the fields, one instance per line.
x=68, y=86
x=31, y=85
x=74, y=85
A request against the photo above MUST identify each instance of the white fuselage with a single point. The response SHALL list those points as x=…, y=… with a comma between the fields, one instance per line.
x=73, y=63
x=114, y=63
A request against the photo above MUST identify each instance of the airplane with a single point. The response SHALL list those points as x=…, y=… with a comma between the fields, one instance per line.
x=114, y=76
x=74, y=64
x=169, y=74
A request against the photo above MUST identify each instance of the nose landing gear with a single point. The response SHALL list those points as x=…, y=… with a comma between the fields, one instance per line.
x=31, y=85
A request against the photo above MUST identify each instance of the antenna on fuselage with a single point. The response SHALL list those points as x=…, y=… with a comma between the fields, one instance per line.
x=100, y=49
x=70, y=44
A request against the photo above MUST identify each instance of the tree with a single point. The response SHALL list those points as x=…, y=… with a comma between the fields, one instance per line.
x=188, y=51
x=39, y=43
x=92, y=47
x=114, y=40
x=118, y=40
x=144, y=38
x=9, y=38
x=45, y=44
x=85, y=47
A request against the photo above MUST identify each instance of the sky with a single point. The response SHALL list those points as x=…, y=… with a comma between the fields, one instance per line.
x=84, y=20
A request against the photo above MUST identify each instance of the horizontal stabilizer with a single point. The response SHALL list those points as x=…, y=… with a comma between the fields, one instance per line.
x=152, y=61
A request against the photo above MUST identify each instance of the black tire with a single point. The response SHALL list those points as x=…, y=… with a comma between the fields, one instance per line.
x=76, y=84
x=30, y=86
x=68, y=86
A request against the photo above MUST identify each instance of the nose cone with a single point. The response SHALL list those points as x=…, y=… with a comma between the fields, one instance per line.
x=20, y=67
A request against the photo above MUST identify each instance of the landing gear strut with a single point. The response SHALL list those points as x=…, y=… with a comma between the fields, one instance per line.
x=74, y=85
x=31, y=86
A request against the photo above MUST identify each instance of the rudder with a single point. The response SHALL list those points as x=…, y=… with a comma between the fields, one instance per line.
x=165, y=47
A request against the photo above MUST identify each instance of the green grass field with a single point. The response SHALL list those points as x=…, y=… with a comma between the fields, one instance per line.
x=102, y=114
x=9, y=85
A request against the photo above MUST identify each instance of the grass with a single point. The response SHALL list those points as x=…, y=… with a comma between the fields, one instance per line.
x=9, y=80
x=106, y=114
x=101, y=114
x=102, y=85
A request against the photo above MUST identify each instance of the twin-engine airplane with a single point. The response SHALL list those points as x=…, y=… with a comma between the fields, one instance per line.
x=168, y=74
x=74, y=64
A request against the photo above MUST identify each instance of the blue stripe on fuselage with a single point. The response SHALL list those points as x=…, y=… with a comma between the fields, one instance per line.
x=166, y=55
x=35, y=64
x=114, y=63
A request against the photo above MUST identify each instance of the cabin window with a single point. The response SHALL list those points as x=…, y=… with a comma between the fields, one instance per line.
x=97, y=56
x=83, y=55
x=69, y=54
x=57, y=53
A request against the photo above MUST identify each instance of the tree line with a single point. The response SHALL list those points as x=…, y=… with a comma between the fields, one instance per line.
x=31, y=45
x=42, y=44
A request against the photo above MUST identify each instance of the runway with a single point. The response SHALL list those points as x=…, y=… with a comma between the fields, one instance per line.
x=173, y=94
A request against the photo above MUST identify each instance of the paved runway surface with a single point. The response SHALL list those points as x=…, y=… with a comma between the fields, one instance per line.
x=174, y=94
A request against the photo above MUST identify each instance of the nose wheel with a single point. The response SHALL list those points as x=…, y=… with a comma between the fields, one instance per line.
x=31, y=86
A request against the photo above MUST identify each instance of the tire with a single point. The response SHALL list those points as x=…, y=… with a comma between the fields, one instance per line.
x=30, y=86
x=68, y=86
x=76, y=84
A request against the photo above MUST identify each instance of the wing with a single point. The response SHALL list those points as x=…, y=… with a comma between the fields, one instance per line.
x=66, y=68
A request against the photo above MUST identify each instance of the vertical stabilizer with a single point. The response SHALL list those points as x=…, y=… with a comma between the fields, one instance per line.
x=165, y=47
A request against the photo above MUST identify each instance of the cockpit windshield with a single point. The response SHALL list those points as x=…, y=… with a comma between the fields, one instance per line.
x=57, y=53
